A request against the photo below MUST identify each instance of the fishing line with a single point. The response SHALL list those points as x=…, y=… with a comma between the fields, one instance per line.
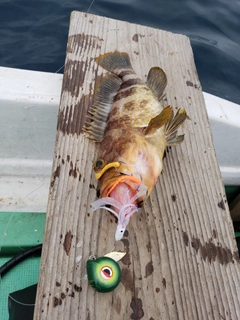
x=90, y=6
x=23, y=255
x=88, y=10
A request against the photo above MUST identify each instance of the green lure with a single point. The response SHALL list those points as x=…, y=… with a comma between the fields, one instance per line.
x=104, y=274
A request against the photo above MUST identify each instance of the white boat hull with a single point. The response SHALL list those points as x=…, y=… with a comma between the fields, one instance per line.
x=29, y=102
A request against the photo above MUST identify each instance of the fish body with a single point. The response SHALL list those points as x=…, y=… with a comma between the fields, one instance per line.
x=133, y=129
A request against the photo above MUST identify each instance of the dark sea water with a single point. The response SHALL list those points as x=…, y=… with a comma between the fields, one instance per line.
x=33, y=33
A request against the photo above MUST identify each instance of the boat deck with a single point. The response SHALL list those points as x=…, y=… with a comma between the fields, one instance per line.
x=181, y=260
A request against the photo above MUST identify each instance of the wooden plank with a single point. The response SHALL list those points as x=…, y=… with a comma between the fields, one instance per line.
x=181, y=260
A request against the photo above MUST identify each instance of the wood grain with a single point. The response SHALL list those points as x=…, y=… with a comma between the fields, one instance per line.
x=182, y=260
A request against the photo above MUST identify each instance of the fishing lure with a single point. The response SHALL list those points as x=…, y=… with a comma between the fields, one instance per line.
x=104, y=273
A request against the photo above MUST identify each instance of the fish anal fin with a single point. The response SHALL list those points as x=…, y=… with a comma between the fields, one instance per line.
x=158, y=121
x=98, y=114
x=172, y=126
x=174, y=139
x=157, y=81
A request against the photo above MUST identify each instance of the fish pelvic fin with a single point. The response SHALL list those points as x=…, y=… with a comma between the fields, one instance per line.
x=172, y=126
x=98, y=114
x=157, y=81
x=158, y=121
x=114, y=62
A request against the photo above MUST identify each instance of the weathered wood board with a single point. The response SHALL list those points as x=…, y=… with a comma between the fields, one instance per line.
x=181, y=260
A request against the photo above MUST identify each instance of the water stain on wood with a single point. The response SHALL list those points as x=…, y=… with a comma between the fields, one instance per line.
x=137, y=307
x=127, y=279
x=56, y=174
x=117, y=305
x=73, y=172
x=149, y=246
x=83, y=41
x=149, y=269
x=77, y=288
x=71, y=118
x=164, y=282
x=126, y=260
x=190, y=84
x=57, y=302
x=211, y=252
x=135, y=37
x=221, y=205
x=126, y=233
x=125, y=242
x=67, y=242
x=185, y=239
x=214, y=234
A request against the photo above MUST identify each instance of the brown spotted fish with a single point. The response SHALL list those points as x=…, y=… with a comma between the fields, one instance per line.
x=133, y=130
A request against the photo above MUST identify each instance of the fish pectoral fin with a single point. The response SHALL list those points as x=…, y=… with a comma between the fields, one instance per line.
x=158, y=121
x=98, y=114
x=157, y=81
x=172, y=126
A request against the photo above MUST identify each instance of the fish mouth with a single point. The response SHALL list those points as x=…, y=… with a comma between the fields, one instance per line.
x=117, y=188
x=131, y=181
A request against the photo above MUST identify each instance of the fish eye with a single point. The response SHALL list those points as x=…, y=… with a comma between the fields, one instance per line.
x=99, y=164
x=106, y=273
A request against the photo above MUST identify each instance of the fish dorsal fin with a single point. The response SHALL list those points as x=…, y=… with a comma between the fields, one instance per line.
x=98, y=114
x=157, y=81
x=158, y=121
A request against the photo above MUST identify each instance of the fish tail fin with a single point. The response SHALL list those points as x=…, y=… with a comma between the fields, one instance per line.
x=172, y=126
x=115, y=62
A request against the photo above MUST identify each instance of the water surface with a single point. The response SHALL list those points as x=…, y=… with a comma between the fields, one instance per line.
x=33, y=34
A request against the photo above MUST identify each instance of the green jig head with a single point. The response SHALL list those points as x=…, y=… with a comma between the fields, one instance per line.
x=104, y=273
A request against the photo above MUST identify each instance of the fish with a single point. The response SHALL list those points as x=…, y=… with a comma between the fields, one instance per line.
x=133, y=129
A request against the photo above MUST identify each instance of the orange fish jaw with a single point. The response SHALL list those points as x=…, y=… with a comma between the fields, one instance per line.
x=111, y=180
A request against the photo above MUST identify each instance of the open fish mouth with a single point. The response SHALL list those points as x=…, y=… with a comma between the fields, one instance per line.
x=122, y=210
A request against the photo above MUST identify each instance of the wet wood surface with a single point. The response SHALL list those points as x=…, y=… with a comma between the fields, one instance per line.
x=181, y=260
